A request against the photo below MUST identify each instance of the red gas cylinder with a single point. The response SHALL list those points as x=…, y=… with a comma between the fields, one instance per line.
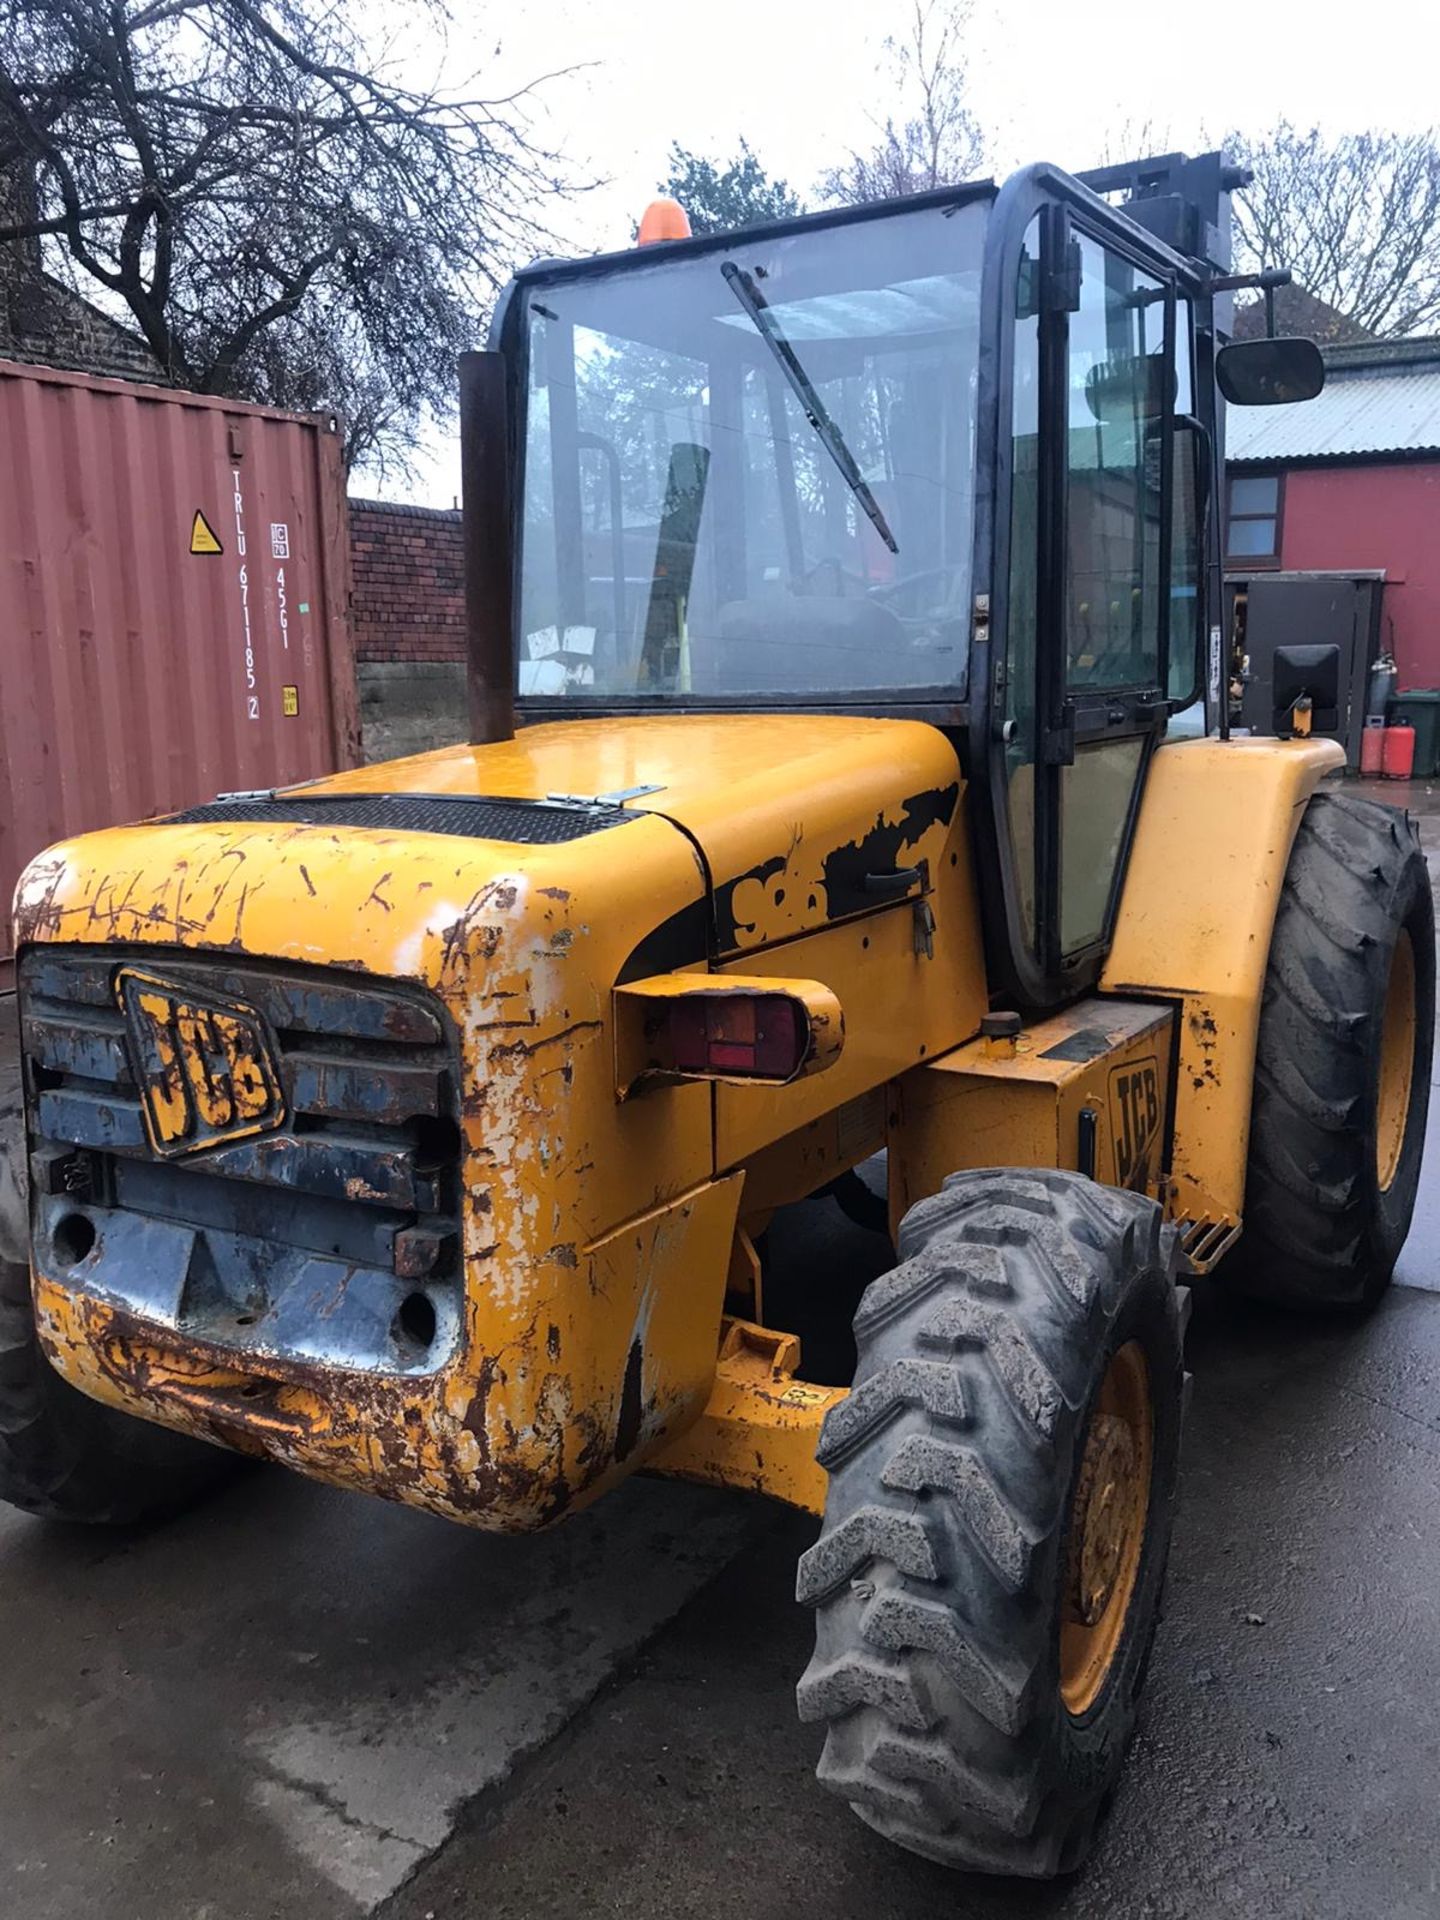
x=1372, y=749
x=1398, y=755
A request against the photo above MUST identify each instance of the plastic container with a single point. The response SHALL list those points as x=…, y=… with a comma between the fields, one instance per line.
x=1372, y=748
x=1420, y=709
x=1398, y=754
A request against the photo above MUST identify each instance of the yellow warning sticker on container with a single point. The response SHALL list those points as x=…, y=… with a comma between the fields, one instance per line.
x=290, y=702
x=203, y=537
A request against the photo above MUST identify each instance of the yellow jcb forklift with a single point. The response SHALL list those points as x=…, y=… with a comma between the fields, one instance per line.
x=849, y=775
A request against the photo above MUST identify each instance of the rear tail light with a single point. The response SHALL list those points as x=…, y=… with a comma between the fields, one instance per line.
x=742, y=1034
x=700, y=1026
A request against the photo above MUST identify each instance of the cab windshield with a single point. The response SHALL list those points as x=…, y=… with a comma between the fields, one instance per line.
x=751, y=470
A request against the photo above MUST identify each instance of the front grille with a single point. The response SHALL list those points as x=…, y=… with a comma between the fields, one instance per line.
x=525, y=823
x=330, y=1235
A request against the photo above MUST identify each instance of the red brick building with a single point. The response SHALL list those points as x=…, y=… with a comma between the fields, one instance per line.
x=1350, y=482
x=49, y=324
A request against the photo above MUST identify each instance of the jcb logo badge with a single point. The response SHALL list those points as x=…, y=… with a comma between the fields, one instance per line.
x=204, y=1069
x=1134, y=1121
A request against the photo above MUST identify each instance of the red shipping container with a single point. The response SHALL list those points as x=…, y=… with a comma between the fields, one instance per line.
x=174, y=605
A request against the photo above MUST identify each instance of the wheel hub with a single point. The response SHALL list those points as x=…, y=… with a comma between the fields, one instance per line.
x=1106, y=1535
x=1397, y=1062
x=1101, y=1517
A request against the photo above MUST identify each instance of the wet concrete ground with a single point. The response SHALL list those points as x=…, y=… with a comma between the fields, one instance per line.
x=1288, y=1761
x=276, y=1706
x=297, y=1702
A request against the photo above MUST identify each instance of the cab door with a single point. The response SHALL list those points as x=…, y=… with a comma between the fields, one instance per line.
x=1094, y=557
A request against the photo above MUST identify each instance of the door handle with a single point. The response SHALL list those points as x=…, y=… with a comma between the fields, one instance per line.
x=891, y=885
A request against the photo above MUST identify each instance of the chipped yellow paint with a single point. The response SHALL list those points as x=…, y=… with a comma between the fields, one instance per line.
x=769, y=797
x=162, y=1096
x=903, y=1004
x=596, y=1233
x=982, y=1108
x=614, y=1359
x=761, y=1426
x=1217, y=822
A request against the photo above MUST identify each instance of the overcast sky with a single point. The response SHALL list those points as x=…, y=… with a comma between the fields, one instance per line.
x=806, y=80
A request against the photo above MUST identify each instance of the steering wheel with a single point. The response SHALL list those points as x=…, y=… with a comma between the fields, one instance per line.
x=889, y=590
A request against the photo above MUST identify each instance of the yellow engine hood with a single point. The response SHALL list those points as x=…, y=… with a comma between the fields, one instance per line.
x=789, y=811
x=760, y=828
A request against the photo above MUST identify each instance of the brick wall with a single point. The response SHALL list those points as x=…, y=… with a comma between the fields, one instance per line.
x=409, y=583
x=49, y=324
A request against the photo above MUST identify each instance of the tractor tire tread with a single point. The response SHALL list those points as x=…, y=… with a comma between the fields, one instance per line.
x=931, y=1634
x=1319, y=1232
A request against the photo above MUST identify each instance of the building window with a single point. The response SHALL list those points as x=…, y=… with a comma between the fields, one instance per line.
x=1253, y=537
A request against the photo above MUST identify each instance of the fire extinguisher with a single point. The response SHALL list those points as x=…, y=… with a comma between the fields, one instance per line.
x=1382, y=687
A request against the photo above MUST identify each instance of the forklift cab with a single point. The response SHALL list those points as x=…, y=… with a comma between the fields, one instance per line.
x=950, y=458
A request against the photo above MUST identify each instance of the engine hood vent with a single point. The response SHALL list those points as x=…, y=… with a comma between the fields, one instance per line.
x=524, y=823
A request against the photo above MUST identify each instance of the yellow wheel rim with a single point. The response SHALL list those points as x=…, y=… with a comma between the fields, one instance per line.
x=1106, y=1533
x=1397, y=1062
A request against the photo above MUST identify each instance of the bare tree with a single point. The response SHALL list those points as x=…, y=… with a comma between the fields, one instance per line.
x=940, y=142
x=1357, y=219
x=1134, y=139
x=279, y=213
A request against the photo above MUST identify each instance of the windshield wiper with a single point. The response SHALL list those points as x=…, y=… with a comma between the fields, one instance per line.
x=828, y=434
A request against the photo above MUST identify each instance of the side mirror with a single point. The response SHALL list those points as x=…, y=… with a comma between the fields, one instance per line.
x=1269, y=373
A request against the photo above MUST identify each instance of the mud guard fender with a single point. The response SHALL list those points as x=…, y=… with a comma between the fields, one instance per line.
x=1217, y=822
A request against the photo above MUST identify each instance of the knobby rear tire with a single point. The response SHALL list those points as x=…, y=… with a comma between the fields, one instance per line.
x=1321, y=1231
x=939, y=1574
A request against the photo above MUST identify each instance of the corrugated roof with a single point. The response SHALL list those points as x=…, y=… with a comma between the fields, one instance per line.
x=1370, y=410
